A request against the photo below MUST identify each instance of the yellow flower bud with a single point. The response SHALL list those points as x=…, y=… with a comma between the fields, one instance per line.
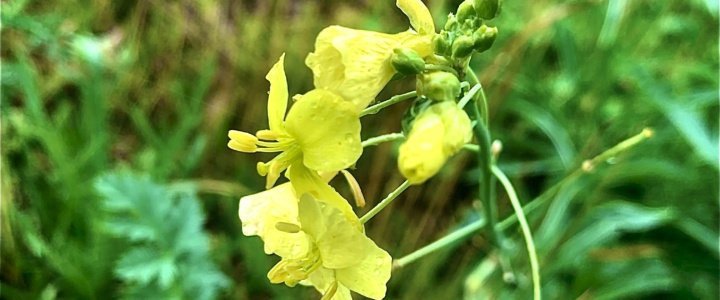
x=407, y=61
x=440, y=86
x=437, y=134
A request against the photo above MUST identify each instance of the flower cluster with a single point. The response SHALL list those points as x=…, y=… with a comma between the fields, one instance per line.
x=314, y=230
x=320, y=239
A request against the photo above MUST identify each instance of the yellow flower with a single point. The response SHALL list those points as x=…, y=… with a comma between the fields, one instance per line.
x=356, y=64
x=321, y=130
x=437, y=133
x=317, y=244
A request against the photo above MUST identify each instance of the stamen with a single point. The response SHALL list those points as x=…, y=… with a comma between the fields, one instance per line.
x=241, y=136
x=262, y=168
x=242, y=147
x=287, y=227
x=267, y=135
x=355, y=188
x=330, y=292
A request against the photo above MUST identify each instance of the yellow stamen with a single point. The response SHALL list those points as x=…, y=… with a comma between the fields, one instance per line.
x=355, y=188
x=262, y=168
x=267, y=135
x=287, y=227
x=242, y=147
x=330, y=292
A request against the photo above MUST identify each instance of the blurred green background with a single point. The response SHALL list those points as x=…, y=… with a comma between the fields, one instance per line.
x=117, y=182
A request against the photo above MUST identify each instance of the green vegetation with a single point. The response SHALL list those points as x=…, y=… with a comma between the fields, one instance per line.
x=115, y=116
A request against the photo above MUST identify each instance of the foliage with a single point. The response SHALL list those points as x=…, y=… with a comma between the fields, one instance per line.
x=154, y=86
x=169, y=258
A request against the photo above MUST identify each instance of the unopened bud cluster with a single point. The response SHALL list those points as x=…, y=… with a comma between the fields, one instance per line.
x=466, y=31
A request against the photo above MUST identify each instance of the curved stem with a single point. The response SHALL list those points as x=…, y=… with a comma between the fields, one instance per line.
x=375, y=210
x=443, y=68
x=469, y=96
x=487, y=184
x=534, y=266
x=483, y=99
x=393, y=100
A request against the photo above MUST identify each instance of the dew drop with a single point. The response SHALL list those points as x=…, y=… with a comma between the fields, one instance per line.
x=611, y=160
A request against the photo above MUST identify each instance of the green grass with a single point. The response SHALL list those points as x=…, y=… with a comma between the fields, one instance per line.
x=93, y=87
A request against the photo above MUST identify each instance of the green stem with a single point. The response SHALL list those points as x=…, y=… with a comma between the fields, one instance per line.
x=469, y=96
x=483, y=99
x=373, y=141
x=471, y=228
x=445, y=241
x=586, y=167
x=393, y=100
x=375, y=210
x=534, y=266
x=443, y=68
x=487, y=184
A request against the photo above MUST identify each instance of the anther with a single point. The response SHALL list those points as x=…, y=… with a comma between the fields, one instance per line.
x=287, y=227
x=267, y=135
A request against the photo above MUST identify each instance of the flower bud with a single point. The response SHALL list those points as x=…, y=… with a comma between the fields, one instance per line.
x=465, y=11
x=440, y=86
x=441, y=43
x=487, y=9
x=437, y=133
x=407, y=62
x=462, y=46
x=484, y=37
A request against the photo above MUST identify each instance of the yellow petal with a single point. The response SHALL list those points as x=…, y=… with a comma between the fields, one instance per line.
x=342, y=245
x=260, y=213
x=310, y=216
x=327, y=129
x=305, y=180
x=356, y=64
x=369, y=277
x=419, y=15
x=278, y=96
x=322, y=279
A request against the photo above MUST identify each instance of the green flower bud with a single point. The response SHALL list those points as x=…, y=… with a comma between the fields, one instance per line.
x=462, y=46
x=484, y=37
x=465, y=11
x=441, y=43
x=440, y=86
x=407, y=62
x=487, y=9
x=451, y=22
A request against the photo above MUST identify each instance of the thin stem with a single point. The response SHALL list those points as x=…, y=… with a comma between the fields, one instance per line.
x=375, y=210
x=587, y=167
x=443, y=242
x=443, y=68
x=483, y=99
x=471, y=228
x=469, y=96
x=393, y=100
x=373, y=141
x=534, y=266
x=487, y=184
